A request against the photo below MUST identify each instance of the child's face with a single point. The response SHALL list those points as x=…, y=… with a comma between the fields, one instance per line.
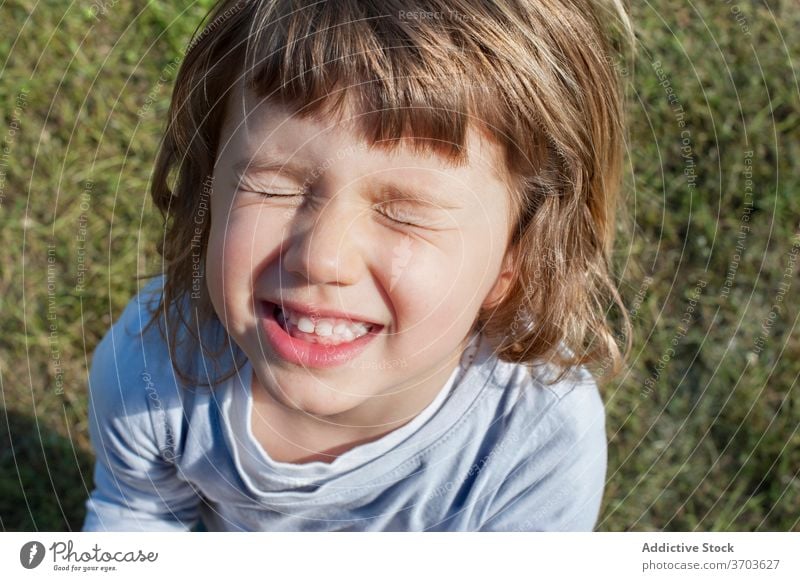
x=330, y=243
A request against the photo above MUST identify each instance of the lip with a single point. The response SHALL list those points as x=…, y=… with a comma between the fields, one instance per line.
x=307, y=354
x=315, y=312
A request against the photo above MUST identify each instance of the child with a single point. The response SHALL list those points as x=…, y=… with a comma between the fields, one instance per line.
x=385, y=256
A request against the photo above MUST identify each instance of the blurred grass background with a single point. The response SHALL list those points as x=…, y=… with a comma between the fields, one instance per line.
x=703, y=427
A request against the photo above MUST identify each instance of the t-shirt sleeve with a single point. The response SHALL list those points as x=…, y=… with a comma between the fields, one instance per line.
x=137, y=487
x=557, y=481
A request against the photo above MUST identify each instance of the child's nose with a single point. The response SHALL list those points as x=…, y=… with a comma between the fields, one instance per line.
x=327, y=251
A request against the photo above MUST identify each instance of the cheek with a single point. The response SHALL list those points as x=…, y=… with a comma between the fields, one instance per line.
x=231, y=261
x=434, y=289
x=239, y=245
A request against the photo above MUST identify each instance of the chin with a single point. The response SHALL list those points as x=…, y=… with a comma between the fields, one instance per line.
x=317, y=397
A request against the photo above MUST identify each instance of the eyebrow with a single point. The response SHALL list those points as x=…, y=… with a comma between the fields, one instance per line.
x=388, y=192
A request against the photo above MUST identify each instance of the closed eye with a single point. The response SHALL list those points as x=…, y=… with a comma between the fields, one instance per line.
x=399, y=216
x=277, y=193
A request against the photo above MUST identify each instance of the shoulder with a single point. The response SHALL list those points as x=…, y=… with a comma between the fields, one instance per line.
x=573, y=406
x=523, y=404
x=560, y=417
x=538, y=411
x=127, y=353
x=136, y=426
x=131, y=376
x=552, y=452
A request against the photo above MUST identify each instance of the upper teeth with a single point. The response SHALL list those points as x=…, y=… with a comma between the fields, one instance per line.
x=325, y=327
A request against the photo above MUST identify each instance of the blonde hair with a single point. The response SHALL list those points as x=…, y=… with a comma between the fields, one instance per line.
x=539, y=76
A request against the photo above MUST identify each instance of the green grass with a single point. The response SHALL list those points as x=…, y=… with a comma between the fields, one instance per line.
x=712, y=444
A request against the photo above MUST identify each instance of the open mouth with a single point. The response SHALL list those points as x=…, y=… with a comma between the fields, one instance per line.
x=324, y=331
x=313, y=341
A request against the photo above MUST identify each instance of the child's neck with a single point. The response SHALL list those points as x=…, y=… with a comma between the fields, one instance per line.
x=290, y=435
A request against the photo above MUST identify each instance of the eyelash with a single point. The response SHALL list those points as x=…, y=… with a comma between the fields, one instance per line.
x=384, y=214
x=401, y=222
x=268, y=195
